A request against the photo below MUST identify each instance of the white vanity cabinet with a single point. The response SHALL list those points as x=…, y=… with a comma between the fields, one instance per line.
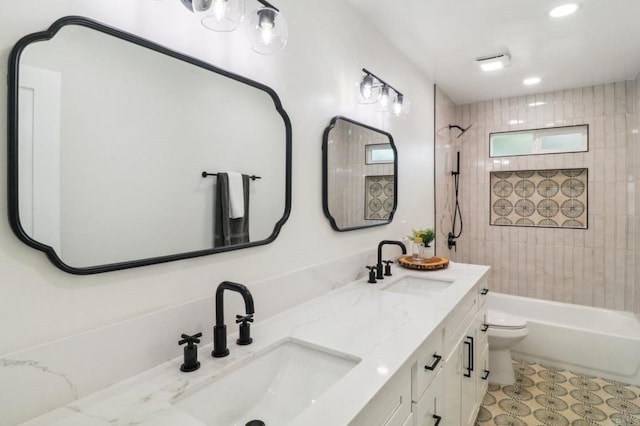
x=454, y=395
x=447, y=382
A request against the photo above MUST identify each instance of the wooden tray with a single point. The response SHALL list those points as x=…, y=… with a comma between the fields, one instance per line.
x=430, y=264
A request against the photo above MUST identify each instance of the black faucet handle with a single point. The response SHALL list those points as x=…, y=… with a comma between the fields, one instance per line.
x=191, y=362
x=244, y=318
x=387, y=267
x=245, y=329
x=190, y=340
x=372, y=274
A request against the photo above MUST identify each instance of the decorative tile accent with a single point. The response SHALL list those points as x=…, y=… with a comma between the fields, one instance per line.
x=539, y=198
x=550, y=396
x=379, y=197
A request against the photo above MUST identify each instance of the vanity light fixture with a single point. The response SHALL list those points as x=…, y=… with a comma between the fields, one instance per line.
x=494, y=62
x=564, y=10
x=388, y=99
x=268, y=30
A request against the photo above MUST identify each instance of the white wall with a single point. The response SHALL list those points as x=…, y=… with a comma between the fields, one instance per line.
x=314, y=76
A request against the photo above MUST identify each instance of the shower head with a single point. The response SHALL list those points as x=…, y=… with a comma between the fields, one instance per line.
x=463, y=131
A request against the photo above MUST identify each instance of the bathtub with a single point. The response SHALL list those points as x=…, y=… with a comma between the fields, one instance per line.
x=582, y=339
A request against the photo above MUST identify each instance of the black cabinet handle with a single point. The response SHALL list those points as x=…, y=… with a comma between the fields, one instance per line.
x=486, y=375
x=484, y=328
x=472, y=361
x=434, y=363
x=438, y=418
x=484, y=291
x=469, y=345
x=468, y=373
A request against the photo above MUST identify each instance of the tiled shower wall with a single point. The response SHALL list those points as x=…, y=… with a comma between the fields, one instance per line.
x=590, y=267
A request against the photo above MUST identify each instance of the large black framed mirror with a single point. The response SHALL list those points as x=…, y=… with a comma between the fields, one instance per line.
x=359, y=175
x=123, y=153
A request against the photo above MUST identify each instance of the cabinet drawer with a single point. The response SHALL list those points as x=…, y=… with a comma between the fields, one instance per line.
x=391, y=406
x=483, y=371
x=430, y=361
x=483, y=290
x=482, y=328
x=459, y=320
x=430, y=407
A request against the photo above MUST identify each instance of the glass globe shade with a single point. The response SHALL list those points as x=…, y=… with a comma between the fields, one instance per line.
x=268, y=31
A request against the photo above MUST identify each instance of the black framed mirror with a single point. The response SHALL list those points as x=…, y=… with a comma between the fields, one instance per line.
x=123, y=153
x=359, y=175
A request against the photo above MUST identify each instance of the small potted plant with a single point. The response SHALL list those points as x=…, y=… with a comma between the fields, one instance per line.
x=422, y=239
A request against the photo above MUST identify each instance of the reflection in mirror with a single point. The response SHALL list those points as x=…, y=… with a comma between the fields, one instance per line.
x=360, y=170
x=109, y=138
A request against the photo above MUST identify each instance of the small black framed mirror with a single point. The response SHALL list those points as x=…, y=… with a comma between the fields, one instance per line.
x=359, y=175
x=131, y=154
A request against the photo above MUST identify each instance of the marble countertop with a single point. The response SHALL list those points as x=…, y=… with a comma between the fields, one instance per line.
x=384, y=329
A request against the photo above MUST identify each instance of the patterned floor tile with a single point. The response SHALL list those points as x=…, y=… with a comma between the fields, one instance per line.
x=547, y=396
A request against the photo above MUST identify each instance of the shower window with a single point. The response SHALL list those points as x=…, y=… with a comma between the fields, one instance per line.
x=551, y=140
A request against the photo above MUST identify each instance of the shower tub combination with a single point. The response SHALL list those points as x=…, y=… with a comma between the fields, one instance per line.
x=582, y=339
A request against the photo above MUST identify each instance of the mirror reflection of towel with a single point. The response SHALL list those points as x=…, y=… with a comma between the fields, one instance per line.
x=236, y=195
x=228, y=230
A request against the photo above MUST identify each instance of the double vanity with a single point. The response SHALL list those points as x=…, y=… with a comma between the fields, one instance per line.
x=408, y=350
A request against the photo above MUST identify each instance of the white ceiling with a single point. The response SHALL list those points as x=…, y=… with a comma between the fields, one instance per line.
x=598, y=44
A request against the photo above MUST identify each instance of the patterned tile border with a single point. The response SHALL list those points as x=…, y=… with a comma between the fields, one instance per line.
x=539, y=198
x=379, y=197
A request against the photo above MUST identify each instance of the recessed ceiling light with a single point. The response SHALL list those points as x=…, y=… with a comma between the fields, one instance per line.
x=531, y=80
x=535, y=104
x=563, y=10
x=495, y=62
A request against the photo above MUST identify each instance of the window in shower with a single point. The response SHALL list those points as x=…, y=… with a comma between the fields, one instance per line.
x=550, y=140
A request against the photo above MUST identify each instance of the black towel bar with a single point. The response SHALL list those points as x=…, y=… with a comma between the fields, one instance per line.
x=205, y=174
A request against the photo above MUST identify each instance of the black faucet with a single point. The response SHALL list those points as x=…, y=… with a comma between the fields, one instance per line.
x=382, y=243
x=220, y=329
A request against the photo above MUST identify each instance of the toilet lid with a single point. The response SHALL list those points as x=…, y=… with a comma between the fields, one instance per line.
x=499, y=319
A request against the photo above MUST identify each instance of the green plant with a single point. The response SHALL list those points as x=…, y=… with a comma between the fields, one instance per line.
x=427, y=235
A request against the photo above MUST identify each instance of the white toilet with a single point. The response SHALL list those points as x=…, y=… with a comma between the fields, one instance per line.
x=505, y=330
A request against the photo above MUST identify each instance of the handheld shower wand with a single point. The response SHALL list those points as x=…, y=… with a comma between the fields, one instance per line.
x=457, y=213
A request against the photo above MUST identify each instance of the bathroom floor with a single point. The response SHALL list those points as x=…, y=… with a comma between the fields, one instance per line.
x=550, y=396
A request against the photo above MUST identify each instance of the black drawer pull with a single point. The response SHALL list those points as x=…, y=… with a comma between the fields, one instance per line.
x=434, y=363
x=468, y=373
x=471, y=361
x=484, y=291
x=486, y=375
x=438, y=418
x=484, y=328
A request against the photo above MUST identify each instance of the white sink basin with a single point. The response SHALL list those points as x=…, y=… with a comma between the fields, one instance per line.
x=274, y=387
x=418, y=286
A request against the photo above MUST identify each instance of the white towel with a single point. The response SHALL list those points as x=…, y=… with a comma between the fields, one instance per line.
x=236, y=195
